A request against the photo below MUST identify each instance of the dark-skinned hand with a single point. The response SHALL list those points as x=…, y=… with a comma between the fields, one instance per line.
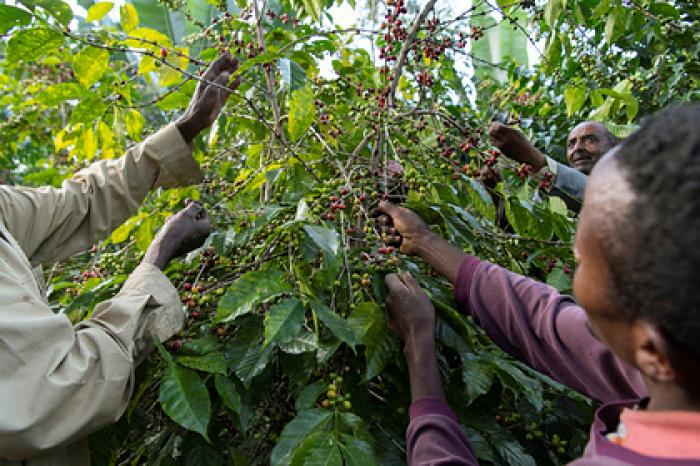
x=412, y=315
x=182, y=233
x=490, y=176
x=402, y=227
x=208, y=100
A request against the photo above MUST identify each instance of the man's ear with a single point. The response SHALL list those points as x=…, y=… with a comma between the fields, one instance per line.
x=651, y=352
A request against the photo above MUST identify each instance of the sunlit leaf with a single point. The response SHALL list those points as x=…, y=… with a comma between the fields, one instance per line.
x=90, y=64
x=301, y=112
x=99, y=10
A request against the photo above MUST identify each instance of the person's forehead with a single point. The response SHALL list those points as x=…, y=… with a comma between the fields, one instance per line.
x=586, y=129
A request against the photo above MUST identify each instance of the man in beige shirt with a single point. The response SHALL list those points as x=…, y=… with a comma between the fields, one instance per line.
x=61, y=382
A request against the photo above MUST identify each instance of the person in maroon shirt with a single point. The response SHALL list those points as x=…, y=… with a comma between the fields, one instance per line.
x=631, y=342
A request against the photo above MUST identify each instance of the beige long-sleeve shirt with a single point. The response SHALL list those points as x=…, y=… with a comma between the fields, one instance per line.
x=61, y=382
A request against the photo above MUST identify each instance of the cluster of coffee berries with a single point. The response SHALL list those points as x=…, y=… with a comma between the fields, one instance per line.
x=493, y=157
x=524, y=170
x=395, y=31
x=334, y=396
x=547, y=180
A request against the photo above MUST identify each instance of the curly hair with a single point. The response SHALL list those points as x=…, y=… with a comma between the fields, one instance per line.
x=655, y=254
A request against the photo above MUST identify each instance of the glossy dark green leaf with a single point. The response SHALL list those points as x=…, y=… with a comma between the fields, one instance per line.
x=212, y=362
x=283, y=321
x=185, y=399
x=296, y=431
x=249, y=289
x=339, y=326
x=228, y=393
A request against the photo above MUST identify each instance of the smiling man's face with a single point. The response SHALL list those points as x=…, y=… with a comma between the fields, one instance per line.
x=587, y=143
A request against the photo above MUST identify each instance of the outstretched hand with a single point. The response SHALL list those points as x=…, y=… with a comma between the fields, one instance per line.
x=412, y=315
x=515, y=145
x=208, y=99
x=402, y=227
x=182, y=233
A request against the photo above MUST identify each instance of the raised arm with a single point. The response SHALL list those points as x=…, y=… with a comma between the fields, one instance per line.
x=529, y=320
x=51, y=224
x=61, y=382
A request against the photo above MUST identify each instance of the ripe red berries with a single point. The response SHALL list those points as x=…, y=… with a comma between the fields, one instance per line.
x=163, y=52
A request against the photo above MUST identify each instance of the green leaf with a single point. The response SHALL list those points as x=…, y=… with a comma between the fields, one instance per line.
x=144, y=233
x=308, y=396
x=253, y=362
x=292, y=74
x=90, y=64
x=325, y=238
x=228, y=393
x=134, y=124
x=90, y=108
x=575, y=97
x=301, y=112
x=600, y=9
x=296, y=431
x=357, y=452
x=214, y=363
x=197, y=452
x=378, y=352
x=553, y=11
x=185, y=399
x=250, y=288
x=30, y=44
x=363, y=318
x=170, y=21
x=517, y=381
x=53, y=95
x=55, y=8
x=11, y=16
x=283, y=321
x=559, y=280
x=612, y=27
x=326, y=454
x=307, y=341
x=129, y=17
x=339, y=326
x=477, y=376
x=122, y=233
x=665, y=9
x=312, y=8
x=98, y=11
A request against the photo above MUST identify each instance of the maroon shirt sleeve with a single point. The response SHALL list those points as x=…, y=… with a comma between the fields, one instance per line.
x=547, y=330
x=434, y=437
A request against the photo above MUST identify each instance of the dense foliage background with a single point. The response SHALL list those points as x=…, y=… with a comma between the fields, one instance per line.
x=285, y=357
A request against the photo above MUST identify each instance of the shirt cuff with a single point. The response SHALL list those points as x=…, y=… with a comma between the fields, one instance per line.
x=174, y=156
x=149, y=279
x=464, y=280
x=426, y=406
x=552, y=165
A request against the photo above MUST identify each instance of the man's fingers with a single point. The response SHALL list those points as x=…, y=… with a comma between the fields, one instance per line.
x=387, y=207
x=410, y=281
x=222, y=80
x=193, y=209
x=224, y=63
x=394, y=283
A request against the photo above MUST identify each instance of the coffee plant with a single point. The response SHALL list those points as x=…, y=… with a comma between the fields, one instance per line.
x=285, y=357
